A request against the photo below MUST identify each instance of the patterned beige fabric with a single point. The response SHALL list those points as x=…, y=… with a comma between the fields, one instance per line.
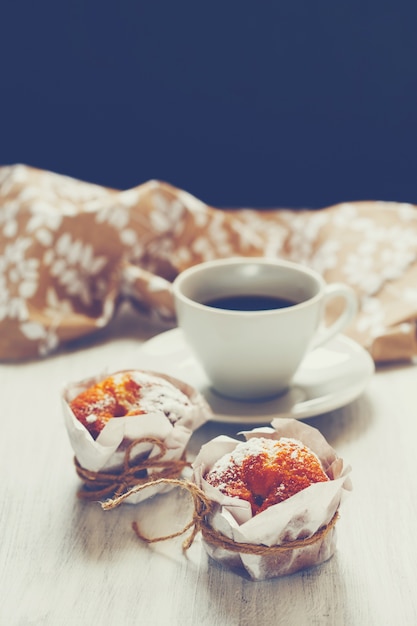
x=70, y=251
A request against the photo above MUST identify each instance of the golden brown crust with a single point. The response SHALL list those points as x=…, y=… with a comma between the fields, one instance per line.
x=106, y=399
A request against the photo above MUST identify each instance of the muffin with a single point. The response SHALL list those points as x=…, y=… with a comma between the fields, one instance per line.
x=125, y=394
x=127, y=419
x=265, y=472
x=274, y=499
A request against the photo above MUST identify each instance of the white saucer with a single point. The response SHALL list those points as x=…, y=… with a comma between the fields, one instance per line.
x=329, y=378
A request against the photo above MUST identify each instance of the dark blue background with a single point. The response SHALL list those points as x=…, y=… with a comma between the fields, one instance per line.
x=269, y=103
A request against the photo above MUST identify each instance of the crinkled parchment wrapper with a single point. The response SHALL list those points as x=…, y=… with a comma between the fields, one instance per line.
x=299, y=517
x=107, y=452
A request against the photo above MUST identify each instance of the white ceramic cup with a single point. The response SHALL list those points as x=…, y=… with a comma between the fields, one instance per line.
x=254, y=354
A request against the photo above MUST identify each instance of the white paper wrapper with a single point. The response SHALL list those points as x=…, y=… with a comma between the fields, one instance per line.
x=107, y=452
x=298, y=517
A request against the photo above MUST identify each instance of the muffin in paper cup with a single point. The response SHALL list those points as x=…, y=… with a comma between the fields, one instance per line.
x=148, y=416
x=283, y=538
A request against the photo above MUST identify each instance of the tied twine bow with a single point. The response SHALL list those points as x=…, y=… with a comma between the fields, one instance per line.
x=200, y=522
x=134, y=472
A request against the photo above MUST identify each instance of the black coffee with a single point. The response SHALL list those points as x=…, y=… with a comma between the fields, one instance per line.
x=248, y=302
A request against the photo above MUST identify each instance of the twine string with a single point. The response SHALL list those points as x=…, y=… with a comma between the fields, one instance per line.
x=200, y=522
x=105, y=483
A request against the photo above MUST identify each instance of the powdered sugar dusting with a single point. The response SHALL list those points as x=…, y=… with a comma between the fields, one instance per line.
x=253, y=447
x=159, y=395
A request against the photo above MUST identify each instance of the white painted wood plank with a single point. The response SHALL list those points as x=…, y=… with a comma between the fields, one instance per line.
x=69, y=563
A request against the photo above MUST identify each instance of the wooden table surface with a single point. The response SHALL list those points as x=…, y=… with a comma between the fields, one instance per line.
x=66, y=562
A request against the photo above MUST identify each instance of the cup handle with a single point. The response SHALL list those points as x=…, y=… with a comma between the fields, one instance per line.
x=336, y=290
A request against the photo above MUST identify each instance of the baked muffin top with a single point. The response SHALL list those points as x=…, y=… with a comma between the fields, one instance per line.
x=124, y=394
x=266, y=471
